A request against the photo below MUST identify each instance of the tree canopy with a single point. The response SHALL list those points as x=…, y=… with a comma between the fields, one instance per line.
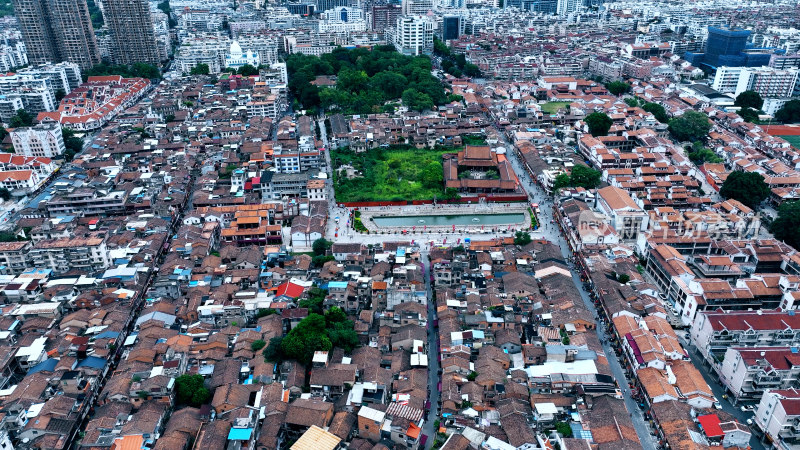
x=747, y=187
x=313, y=303
x=699, y=154
x=320, y=246
x=618, y=87
x=247, y=70
x=455, y=65
x=787, y=226
x=599, y=123
x=189, y=390
x=522, y=238
x=73, y=144
x=135, y=70
x=21, y=119
x=749, y=99
x=656, y=110
x=690, y=126
x=365, y=80
x=748, y=114
x=562, y=180
x=586, y=177
x=200, y=69
x=789, y=113
x=319, y=333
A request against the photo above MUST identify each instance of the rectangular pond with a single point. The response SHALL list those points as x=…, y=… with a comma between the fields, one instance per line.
x=448, y=220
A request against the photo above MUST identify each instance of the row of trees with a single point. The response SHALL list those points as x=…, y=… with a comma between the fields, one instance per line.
x=365, y=80
x=455, y=65
x=135, y=70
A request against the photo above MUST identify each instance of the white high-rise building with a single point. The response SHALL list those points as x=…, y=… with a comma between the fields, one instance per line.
x=414, y=35
x=767, y=81
x=44, y=139
x=417, y=7
x=566, y=7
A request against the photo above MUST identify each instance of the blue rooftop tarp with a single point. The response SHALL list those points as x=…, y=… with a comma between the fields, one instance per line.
x=240, y=434
x=107, y=335
x=93, y=362
x=48, y=365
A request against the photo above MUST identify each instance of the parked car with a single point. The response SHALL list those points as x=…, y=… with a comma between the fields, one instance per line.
x=717, y=405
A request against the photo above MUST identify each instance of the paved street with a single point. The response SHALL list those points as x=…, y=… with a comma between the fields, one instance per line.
x=713, y=382
x=552, y=234
x=433, y=359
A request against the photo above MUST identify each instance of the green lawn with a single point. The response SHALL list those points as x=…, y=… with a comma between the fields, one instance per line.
x=552, y=107
x=794, y=140
x=397, y=173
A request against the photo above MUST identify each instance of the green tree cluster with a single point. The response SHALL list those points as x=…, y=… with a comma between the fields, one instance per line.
x=749, y=99
x=319, y=333
x=455, y=65
x=135, y=70
x=95, y=14
x=320, y=260
x=321, y=246
x=564, y=429
x=618, y=87
x=247, y=70
x=598, y=123
x=690, y=126
x=656, y=110
x=700, y=154
x=365, y=80
x=581, y=176
x=314, y=300
x=189, y=390
x=200, y=69
x=748, y=114
x=73, y=144
x=747, y=187
x=787, y=226
x=165, y=8
x=789, y=113
x=21, y=119
x=522, y=238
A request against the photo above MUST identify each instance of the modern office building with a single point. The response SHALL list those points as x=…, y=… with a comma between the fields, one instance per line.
x=57, y=30
x=723, y=45
x=452, y=27
x=385, y=16
x=132, y=34
x=727, y=47
x=323, y=5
